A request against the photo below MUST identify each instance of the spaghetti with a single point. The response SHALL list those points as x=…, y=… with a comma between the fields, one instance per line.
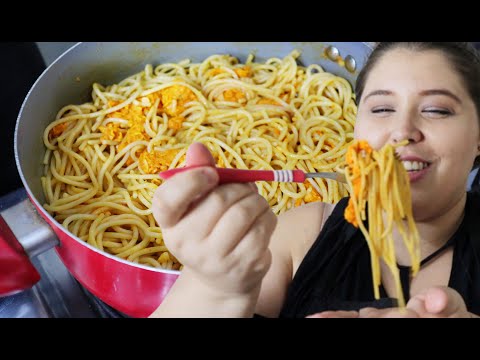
x=103, y=157
x=381, y=189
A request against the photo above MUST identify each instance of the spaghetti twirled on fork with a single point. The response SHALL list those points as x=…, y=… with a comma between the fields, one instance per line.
x=380, y=193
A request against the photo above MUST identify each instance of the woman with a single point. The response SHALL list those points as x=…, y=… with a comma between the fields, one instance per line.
x=239, y=260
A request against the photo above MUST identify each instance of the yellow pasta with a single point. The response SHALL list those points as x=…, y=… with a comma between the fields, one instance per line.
x=103, y=157
x=381, y=188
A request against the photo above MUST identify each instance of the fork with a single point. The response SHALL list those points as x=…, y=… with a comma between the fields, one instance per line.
x=242, y=176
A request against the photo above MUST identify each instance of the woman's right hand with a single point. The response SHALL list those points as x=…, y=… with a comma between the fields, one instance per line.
x=219, y=233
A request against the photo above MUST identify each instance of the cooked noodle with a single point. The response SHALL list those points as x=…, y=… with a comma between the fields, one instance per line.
x=381, y=189
x=103, y=156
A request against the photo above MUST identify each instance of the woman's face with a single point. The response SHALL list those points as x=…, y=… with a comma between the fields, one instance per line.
x=418, y=96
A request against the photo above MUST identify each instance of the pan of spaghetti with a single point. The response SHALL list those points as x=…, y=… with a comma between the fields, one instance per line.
x=104, y=119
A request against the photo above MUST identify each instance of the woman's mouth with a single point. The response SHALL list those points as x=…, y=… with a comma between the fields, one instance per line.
x=416, y=169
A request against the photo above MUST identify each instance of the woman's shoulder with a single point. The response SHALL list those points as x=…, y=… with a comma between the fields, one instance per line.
x=300, y=227
x=311, y=211
x=306, y=219
x=296, y=231
x=311, y=217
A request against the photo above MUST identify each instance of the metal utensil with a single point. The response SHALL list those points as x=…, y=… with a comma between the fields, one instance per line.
x=241, y=175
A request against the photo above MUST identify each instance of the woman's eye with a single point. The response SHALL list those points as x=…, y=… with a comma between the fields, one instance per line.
x=437, y=112
x=381, y=110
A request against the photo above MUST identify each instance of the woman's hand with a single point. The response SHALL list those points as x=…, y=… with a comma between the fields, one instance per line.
x=219, y=233
x=439, y=302
x=435, y=302
x=368, y=312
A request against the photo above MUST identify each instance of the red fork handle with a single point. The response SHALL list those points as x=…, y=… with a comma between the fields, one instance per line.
x=240, y=175
x=16, y=271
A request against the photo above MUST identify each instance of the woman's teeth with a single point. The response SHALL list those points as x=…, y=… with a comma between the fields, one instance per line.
x=414, y=165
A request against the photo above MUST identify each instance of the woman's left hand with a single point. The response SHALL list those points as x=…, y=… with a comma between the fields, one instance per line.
x=435, y=302
x=439, y=302
x=369, y=312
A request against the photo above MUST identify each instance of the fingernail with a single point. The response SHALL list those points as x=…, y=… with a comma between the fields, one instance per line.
x=210, y=175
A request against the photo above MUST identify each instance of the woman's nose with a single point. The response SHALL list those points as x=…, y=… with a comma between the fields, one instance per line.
x=406, y=128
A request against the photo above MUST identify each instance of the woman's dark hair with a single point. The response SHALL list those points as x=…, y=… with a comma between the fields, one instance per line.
x=462, y=55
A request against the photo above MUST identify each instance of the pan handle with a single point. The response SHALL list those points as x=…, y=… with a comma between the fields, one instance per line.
x=23, y=234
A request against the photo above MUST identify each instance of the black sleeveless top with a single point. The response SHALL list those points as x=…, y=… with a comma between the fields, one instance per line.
x=336, y=272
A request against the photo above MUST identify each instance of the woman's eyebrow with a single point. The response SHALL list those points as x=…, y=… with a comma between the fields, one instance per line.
x=428, y=92
x=378, y=92
x=443, y=92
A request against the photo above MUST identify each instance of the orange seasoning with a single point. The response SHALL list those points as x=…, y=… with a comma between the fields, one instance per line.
x=355, y=148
